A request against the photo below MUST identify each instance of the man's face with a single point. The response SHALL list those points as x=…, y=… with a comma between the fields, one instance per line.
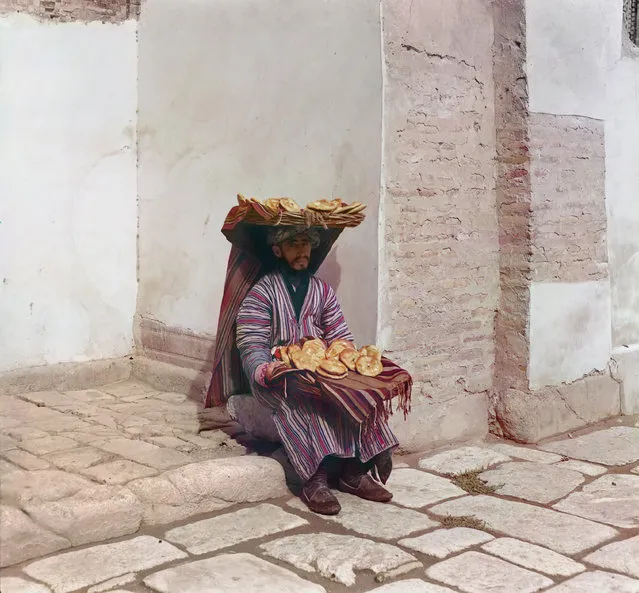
x=296, y=252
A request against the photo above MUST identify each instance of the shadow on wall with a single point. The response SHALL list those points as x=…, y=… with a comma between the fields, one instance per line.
x=331, y=271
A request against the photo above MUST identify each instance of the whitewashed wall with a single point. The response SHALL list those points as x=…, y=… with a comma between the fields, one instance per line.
x=67, y=191
x=576, y=66
x=622, y=197
x=266, y=98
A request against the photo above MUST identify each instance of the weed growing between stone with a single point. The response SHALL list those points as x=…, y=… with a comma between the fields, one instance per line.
x=472, y=483
x=463, y=521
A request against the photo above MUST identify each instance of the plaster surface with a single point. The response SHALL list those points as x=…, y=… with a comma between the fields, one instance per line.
x=68, y=186
x=571, y=45
x=569, y=331
x=235, y=99
x=622, y=198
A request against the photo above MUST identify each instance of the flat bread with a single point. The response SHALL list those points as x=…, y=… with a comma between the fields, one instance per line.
x=323, y=373
x=304, y=362
x=273, y=205
x=294, y=348
x=369, y=366
x=371, y=351
x=289, y=205
x=332, y=369
x=314, y=348
x=349, y=357
x=324, y=205
x=284, y=355
x=336, y=347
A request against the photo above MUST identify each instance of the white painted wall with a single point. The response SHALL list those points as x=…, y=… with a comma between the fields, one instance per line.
x=622, y=197
x=265, y=98
x=577, y=65
x=569, y=331
x=571, y=45
x=67, y=191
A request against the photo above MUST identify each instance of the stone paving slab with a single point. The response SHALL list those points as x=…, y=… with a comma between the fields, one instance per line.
x=560, y=532
x=598, y=582
x=8, y=444
x=82, y=568
x=533, y=557
x=77, y=429
x=22, y=539
x=121, y=471
x=108, y=585
x=337, y=557
x=474, y=572
x=21, y=433
x=48, y=445
x=8, y=468
x=525, y=453
x=146, y=453
x=124, y=389
x=411, y=586
x=532, y=481
x=611, y=499
x=26, y=460
x=621, y=556
x=444, y=542
x=230, y=573
x=588, y=469
x=93, y=514
x=208, y=486
x=463, y=459
x=390, y=522
x=41, y=485
x=613, y=446
x=18, y=585
x=76, y=458
x=230, y=529
x=416, y=489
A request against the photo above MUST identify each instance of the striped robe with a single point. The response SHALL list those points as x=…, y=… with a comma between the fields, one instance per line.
x=309, y=434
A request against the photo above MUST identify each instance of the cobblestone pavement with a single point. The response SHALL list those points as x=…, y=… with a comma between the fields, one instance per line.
x=129, y=489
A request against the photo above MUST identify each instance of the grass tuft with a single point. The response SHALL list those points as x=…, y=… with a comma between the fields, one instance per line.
x=463, y=521
x=472, y=483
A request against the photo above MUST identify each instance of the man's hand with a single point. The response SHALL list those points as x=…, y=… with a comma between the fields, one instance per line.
x=271, y=369
x=265, y=372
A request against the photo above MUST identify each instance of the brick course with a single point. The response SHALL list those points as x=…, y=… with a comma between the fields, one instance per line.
x=440, y=225
x=513, y=196
x=75, y=10
x=568, y=198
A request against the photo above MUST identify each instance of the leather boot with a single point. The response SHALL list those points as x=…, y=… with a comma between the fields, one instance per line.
x=317, y=495
x=355, y=480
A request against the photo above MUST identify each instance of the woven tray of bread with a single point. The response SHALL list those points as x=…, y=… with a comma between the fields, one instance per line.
x=332, y=361
x=285, y=211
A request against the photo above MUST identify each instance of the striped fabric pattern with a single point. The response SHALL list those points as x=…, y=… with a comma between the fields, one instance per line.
x=310, y=434
x=310, y=430
x=227, y=379
x=249, y=260
x=267, y=318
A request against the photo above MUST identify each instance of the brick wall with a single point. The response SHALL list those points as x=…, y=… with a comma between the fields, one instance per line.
x=513, y=196
x=569, y=214
x=440, y=233
x=75, y=10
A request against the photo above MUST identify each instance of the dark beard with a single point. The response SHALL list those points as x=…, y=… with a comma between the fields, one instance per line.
x=297, y=282
x=293, y=275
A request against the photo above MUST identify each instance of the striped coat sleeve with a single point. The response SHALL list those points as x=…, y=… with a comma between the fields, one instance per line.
x=333, y=322
x=254, y=330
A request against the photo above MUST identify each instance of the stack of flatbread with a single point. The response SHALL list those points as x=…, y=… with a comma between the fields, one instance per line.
x=336, y=206
x=333, y=361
